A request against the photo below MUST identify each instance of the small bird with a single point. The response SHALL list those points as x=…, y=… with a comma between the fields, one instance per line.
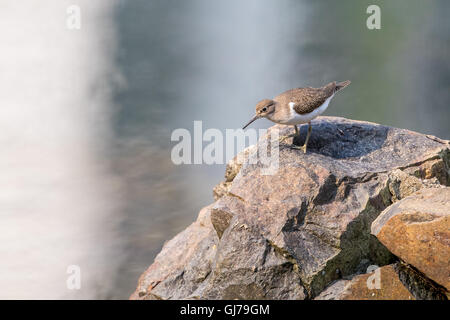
x=297, y=106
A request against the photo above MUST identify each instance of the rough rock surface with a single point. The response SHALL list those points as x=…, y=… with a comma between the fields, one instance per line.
x=291, y=234
x=417, y=230
x=365, y=287
x=398, y=281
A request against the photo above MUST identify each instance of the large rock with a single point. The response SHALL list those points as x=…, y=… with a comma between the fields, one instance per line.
x=417, y=230
x=290, y=234
x=397, y=281
x=184, y=262
x=381, y=284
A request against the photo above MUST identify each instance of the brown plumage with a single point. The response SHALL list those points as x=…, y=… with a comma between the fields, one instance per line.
x=306, y=100
x=297, y=106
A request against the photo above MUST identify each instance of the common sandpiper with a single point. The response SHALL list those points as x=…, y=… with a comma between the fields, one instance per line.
x=297, y=106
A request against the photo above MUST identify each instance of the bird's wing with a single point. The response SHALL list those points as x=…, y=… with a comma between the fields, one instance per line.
x=306, y=100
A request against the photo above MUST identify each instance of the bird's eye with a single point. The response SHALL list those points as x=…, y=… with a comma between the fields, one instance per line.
x=264, y=109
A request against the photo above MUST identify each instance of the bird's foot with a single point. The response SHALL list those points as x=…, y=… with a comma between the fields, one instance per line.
x=303, y=148
x=283, y=138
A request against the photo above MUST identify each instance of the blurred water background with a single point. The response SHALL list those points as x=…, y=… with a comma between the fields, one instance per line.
x=86, y=115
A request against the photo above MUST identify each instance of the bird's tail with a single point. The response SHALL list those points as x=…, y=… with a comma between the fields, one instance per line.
x=342, y=85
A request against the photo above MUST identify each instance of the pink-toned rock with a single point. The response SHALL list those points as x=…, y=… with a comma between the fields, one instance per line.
x=290, y=234
x=184, y=262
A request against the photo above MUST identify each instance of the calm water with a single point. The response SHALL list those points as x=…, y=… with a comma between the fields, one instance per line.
x=144, y=68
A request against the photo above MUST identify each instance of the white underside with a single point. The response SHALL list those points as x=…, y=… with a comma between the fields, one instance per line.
x=304, y=118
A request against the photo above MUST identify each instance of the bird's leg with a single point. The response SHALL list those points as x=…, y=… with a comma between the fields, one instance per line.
x=307, y=137
x=306, y=141
x=297, y=134
x=282, y=138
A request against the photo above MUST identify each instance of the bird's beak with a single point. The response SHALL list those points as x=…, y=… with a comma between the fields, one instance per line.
x=256, y=117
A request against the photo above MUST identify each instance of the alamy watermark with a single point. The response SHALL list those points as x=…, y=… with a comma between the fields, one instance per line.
x=73, y=281
x=73, y=20
x=374, y=280
x=212, y=146
x=373, y=22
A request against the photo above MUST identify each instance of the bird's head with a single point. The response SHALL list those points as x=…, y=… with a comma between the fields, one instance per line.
x=264, y=108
